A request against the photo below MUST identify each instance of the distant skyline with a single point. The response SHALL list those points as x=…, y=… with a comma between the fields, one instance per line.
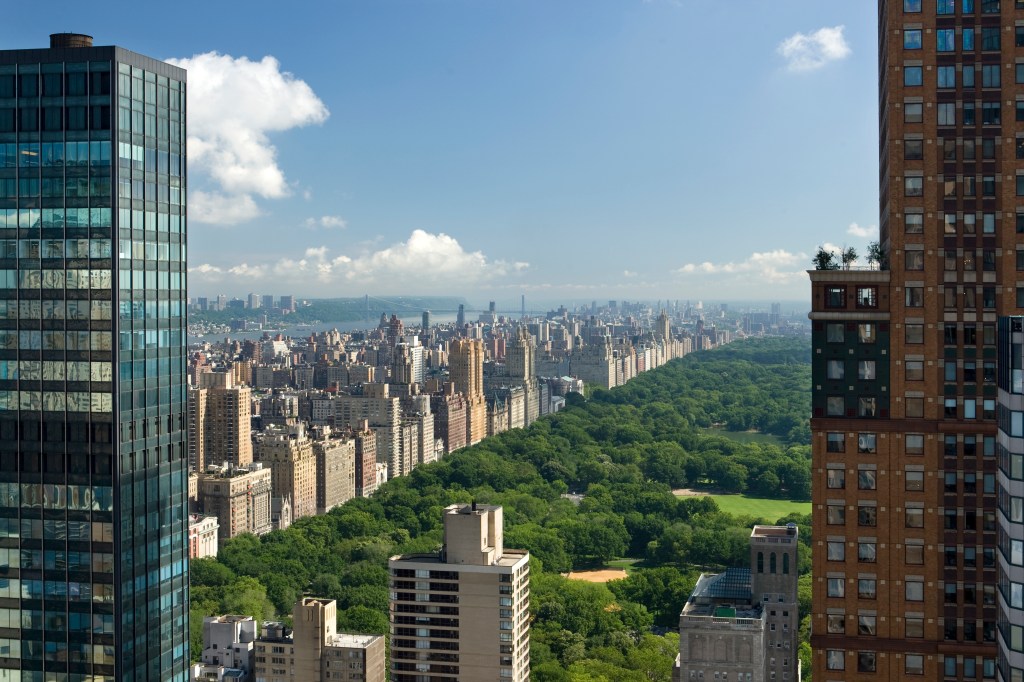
x=636, y=149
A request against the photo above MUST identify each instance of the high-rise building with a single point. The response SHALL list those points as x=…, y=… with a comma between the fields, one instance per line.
x=219, y=422
x=743, y=624
x=466, y=371
x=905, y=363
x=92, y=432
x=462, y=613
x=238, y=497
x=288, y=453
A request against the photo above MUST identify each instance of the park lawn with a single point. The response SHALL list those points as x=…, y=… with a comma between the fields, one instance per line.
x=760, y=507
x=626, y=565
x=746, y=436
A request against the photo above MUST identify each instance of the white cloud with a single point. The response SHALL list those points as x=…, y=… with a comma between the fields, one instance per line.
x=424, y=259
x=628, y=273
x=327, y=222
x=768, y=267
x=869, y=232
x=810, y=51
x=233, y=104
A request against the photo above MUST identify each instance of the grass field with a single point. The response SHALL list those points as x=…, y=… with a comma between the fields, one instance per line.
x=770, y=510
x=624, y=564
x=746, y=436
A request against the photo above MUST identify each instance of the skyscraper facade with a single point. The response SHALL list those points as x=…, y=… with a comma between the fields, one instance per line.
x=907, y=463
x=93, y=461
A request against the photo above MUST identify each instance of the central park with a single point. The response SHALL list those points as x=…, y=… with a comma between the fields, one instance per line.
x=661, y=478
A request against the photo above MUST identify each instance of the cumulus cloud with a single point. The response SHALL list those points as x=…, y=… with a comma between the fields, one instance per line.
x=767, y=267
x=628, y=273
x=422, y=259
x=234, y=103
x=868, y=232
x=327, y=222
x=810, y=51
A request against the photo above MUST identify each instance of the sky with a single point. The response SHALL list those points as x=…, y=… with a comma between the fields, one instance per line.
x=561, y=150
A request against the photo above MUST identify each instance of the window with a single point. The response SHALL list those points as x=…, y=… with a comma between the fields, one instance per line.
x=866, y=479
x=836, y=587
x=836, y=550
x=835, y=297
x=990, y=75
x=866, y=332
x=913, y=150
x=835, y=479
x=913, y=370
x=866, y=552
x=914, y=407
x=914, y=517
x=913, y=590
x=945, y=75
x=913, y=664
x=911, y=5
x=913, y=554
x=914, y=297
x=835, y=332
x=867, y=516
x=913, y=333
x=912, y=39
x=968, y=39
x=991, y=6
x=914, y=480
x=913, y=260
x=836, y=370
x=945, y=6
x=835, y=406
x=866, y=443
x=836, y=623
x=913, y=112
x=912, y=76
x=991, y=113
x=949, y=662
x=967, y=75
x=913, y=223
x=867, y=406
x=867, y=297
x=990, y=37
x=836, y=514
x=836, y=442
x=949, y=219
x=867, y=588
x=835, y=659
x=946, y=113
x=914, y=443
x=866, y=371
x=866, y=626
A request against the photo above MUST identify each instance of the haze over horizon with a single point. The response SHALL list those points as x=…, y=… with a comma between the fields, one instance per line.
x=637, y=149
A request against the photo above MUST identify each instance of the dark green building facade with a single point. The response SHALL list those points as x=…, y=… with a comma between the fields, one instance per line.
x=93, y=463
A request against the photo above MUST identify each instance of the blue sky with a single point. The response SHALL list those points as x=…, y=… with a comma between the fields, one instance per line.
x=563, y=150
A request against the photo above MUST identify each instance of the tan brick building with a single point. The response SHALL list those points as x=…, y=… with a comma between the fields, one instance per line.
x=238, y=497
x=313, y=651
x=288, y=453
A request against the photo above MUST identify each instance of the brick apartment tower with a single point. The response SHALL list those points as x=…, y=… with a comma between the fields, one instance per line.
x=907, y=558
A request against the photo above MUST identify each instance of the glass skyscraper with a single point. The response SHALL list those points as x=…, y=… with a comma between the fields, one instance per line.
x=93, y=463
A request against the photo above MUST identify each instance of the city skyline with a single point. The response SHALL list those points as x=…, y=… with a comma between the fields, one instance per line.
x=464, y=135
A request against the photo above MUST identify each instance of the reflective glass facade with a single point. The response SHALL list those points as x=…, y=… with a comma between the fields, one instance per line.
x=93, y=522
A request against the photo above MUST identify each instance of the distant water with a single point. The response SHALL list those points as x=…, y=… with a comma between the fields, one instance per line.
x=303, y=331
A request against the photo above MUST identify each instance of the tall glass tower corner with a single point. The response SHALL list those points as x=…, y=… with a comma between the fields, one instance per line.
x=93, y=463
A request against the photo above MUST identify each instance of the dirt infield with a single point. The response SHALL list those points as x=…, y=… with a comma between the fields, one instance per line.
x=688, y=492
x=601, y=576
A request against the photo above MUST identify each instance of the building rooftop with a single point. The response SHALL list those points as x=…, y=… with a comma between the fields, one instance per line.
x=351, y=641
x=510, y=558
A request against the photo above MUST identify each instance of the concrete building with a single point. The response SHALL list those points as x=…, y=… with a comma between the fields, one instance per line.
x=203, y=532
x=228, y=647
x=743, y=624
x=462, y=614
x=288, y=453
x=313, y=651
x=238, y=497
x=905, y=422
x=450, y=418
x=366, y=460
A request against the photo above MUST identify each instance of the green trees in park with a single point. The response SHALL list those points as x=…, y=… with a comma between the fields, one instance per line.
x=623, y=451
